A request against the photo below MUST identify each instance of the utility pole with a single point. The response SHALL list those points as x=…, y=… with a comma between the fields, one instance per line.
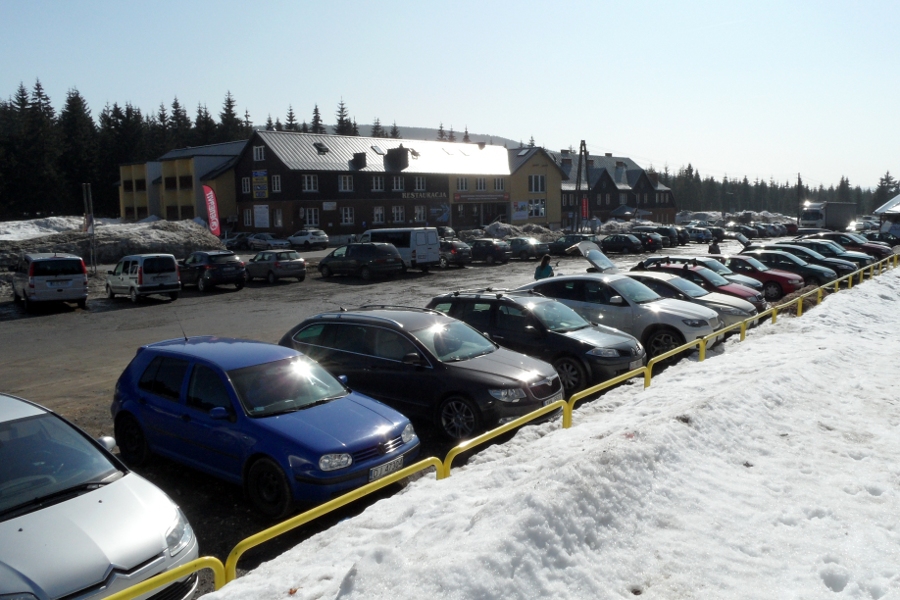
x=89, y=223
x=582, y=160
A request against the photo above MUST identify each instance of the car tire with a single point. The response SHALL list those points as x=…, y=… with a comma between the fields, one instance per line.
x=571, y=374
x=109, y=293
x=247, y=277
x=662, y=340
x=523, y=256
x=443, y=263
x=301, y=279
x=82, y=304
x=458, y=418
x=772, y=291
x=489, y=260
x=238, y=285
x=268, y=489
x=173, y=296
x=202, y=286
x=424, y=268
x=135, y=298
x=306, y=246
x=366, y=273
x=325, y=271
x=271, y=278
x=132, y=442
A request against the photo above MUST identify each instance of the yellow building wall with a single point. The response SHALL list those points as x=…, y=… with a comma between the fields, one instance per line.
x=134, y=199
x=226, y=196
x=540, y=164
x=179, y=198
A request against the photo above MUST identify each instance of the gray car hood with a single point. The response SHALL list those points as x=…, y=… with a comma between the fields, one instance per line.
x=601, y=336
x=74, y=544
x=506, y=364
x=680, y=308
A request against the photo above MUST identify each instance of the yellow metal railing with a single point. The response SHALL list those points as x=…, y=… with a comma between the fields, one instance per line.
x=577, y=396
x=157, y=581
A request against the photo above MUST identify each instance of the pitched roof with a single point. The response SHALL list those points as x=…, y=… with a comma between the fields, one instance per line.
x=299, y=151
x=224, y=149
x=518, y=157
x=623, y=171
x=890, y=207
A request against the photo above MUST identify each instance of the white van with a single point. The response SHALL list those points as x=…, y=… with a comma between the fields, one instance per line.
x=49, y=277
x=419, y=247
x=140, y=275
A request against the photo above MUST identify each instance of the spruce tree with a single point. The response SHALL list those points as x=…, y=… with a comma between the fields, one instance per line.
x=395, y=132
x=204, y=127
x=531, y=142
x=304, y=128
x=78, y=152
x=466, y=139
x=248, y=124
x=278, y=125
x=290, y=122
x=270, y=126
x=316, y=125
x=42, y=152
x=377, y=129
x=355, y=129
x=451, y=137
x=441, y=136
x=343, y=126
x=182, y=128
x=229, y=128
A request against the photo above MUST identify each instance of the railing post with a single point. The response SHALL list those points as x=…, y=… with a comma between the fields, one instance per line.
x=702, y=349
x=743, y=330
x=800, y=306
x=819, y=296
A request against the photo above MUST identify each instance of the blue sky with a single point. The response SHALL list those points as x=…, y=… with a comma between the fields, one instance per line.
x=762, y=89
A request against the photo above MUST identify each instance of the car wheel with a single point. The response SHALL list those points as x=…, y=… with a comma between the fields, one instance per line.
x=443, y=263
x=663, y=340
x=306, y=246
x=202, y=286
x=300, y=279
x=325, y=271
x=238, y=285
x=130, y=438
x=268, y=489
x=489, y=260
x=82, y=304
x=247, y=277
x=365, y=273
x=571, y=373
x=271, y=278
x=523, y=256
x=772, y=291
x=173, y=296
x=458, y=418
x=424, y=268
x=109, y=292
x=134, y=296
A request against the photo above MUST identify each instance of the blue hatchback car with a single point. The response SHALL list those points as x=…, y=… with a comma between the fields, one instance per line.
x=259, y=415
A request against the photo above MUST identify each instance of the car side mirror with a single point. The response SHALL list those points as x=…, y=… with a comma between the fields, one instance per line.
x=413, y=358
x=110, y=272
x=181, y=262
x=107, y=442
x=342, y=379
x=532, y=331
x=219, y=413
x=617, y=300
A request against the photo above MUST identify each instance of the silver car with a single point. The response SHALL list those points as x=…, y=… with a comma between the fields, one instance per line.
x=273, y=265
x=74, y=521
x=309, y=238
x=49, y=277
x=266, y=241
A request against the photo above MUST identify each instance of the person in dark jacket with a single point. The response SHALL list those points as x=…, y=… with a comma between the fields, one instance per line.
x=714, y=247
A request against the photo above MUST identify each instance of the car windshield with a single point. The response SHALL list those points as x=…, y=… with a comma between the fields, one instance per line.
x=754, y=263
x=856, y=237
x=284, y=386
x=558, y=317
x=712, y=277
x=688, y=287
x=792, y=258
x=718, y=267
x=633, y=291
x=43, y=459
x=452, y=341
x=812, y=254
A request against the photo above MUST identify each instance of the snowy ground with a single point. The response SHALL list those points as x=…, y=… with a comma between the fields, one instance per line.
x=768, y=471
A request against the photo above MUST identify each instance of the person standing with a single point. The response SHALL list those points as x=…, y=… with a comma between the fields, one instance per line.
x=714, y=247
x=543, y=270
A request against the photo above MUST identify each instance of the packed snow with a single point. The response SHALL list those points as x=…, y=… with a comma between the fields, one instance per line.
x=767, y=471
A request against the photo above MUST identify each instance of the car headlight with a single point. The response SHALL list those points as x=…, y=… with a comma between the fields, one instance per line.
x=796, y=282
x=333, y=462
x=695, y=322
x=730, y=310
x=508, y=394
x=179, y=534
x=604, y=352
x=408, y=433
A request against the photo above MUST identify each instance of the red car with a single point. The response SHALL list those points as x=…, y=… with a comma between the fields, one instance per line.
x=712, y=282
x=776, y=283
x=854, y=241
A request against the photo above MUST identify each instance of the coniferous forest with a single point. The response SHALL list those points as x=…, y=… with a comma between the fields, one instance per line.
x=47, y=154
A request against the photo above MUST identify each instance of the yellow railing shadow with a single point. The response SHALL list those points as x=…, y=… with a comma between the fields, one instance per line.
x=157, y=581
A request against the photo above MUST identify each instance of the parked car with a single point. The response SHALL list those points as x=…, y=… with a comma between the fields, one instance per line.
x=668, y=235
x=731, y=309
x=75, y=521
x=882, y=236
x=779, y=259
x=705, y=260
x=700, y=235
x=365, y=260
x=452, y=376
x=446, y=233
x=266, y=241
x=650, y=241
x=618, y=301
x=834, y=250
x=790, y=227
x=490, y=250
x=273, y=265
x=236, y=240
x=49, y=277
x=455, y=252
x=583, y=354
x=419, y=247
x=839, y=266
x=259, y=415
x=855, y=242
x=309, y=239
x=209, y=268
x=527, y=247
x=139, y=275
x=718, y=233
x=776, y=283
x=621, y=242
x=563, y=243
x=713, y=282
x=684, y=236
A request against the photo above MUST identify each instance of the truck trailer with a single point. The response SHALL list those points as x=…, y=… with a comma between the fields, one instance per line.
x=827, y=215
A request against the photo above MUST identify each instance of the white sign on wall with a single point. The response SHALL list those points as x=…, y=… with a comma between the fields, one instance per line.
x=261, y=216
x=520, y=210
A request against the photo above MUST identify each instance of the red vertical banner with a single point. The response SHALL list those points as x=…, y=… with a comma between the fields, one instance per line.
x=584, y=208
x=212, y=207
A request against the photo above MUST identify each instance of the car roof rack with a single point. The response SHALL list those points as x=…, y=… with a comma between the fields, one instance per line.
x=395, y=307
x=498, y=292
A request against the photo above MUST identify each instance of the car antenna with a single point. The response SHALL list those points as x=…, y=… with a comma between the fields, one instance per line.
x=177, y=318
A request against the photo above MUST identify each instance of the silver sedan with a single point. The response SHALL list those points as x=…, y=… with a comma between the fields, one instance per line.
x=273, y=265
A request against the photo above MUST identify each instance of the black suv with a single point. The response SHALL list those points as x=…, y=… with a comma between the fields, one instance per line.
x=365, y=260
x=455, y=252
x=427, y=365
x=582, y=354
x=206, y=269
x=561, y=244
x=490, y=250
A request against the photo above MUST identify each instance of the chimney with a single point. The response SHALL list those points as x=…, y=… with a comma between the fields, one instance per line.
x=609, y=154
x=481, y=145
x=359, y=160
x=397, y=159
x=620, y=171
x=590, y=162
x=564, y=152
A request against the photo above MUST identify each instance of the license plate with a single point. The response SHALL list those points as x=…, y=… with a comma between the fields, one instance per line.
x=229, y=269
x=555, y=397
x=385, y=469
x=635, y=364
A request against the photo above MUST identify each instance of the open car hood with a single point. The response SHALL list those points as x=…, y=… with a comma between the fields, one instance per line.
x=594, y=255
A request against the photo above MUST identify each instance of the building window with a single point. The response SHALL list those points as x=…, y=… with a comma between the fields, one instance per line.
x=480, y=184
x=140, y=185
x=377, y=183
x=347, y=215
x=420, y=184
x=245, y=185
x=312, y=217
x=398, y=183
x=537, y=207
x=277, y=218
x=623, y=198
x=310, y=183
x=248, y=217
x=607, y=199
x=259, y=153
x=499, y=184
x=171, y=183
x=398, y=213
x=536, y=184
x=346, y=183
x=462, y=184
x=378, y=215
x=420, y=213
x=276, y=183
x=128, y=185
x=186, y=182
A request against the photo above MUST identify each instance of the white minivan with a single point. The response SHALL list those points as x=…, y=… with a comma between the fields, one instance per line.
x=419, y=247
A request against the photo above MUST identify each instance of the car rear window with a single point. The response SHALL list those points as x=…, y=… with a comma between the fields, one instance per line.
x=287, y=255
x=159, y=264
x=219, y=259
x=58, y=266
